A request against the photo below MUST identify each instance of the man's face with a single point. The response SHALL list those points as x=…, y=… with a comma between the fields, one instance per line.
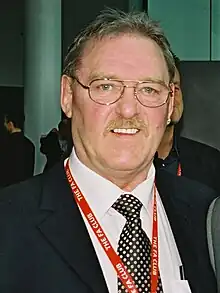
x=178, y=99
x=96, y=144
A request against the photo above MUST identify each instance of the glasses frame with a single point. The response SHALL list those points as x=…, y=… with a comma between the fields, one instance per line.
x=87, y=87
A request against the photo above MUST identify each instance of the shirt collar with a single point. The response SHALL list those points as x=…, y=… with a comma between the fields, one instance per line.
x=101, y=193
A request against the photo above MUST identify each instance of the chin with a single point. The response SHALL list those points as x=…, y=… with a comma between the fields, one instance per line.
x=125, y=164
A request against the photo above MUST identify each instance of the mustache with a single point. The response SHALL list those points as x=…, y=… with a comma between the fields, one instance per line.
x=126, y=123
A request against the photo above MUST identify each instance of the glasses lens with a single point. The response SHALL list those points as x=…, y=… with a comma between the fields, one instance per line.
x=152, y=94
x=105, y=91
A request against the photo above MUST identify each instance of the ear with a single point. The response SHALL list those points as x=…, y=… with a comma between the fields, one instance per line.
x=66, y=95
x=171, y=100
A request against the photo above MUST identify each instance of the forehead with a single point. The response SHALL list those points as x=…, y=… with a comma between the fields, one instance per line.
x=125, y=57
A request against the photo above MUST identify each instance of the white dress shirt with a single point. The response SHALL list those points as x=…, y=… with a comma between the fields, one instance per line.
x=100, y=194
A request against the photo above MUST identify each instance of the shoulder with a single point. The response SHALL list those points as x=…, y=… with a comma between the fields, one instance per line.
x=198, y=148
x=19, y=213
x=185, y=190
x=26, y=197
x=21, y=196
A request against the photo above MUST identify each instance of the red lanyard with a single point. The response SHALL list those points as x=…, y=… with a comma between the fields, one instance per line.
x=179, y=170
x=120, y=269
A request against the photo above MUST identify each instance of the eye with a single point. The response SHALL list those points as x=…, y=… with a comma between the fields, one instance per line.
x=147, y=90
x=105, y=87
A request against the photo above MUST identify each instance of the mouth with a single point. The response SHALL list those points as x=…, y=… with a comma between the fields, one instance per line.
x=130, y=131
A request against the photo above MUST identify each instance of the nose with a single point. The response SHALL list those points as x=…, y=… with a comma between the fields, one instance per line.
x=127, y=105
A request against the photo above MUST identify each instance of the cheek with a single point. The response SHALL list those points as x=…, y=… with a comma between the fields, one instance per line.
x=157, y=118
x=95, y=117
x=90, y=118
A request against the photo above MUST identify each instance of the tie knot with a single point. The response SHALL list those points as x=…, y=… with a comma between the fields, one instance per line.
x=128, y=205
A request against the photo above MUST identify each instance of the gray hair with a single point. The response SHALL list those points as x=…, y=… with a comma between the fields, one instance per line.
x=110, y=23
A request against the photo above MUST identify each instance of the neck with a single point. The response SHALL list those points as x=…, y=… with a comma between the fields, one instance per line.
x=128, y=181
x=166, y=143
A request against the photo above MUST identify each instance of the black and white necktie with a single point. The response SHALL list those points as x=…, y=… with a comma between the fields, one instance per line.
x=134, y=247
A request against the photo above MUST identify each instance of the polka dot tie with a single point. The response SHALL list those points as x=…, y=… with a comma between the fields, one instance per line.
x=134, y=246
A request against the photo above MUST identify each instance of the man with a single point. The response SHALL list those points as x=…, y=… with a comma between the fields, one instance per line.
x=57, y=144
x=183, y=156
x=98, y=223
x=51, y=148
x=65, y=137
x=18, y=152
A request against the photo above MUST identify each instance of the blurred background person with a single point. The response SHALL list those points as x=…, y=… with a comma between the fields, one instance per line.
x=50, y=147
x=17, y=151
x=65, y=137
x=57, y=144
x=184, y=156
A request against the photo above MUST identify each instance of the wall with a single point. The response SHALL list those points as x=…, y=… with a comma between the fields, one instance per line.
x=11, y=49
x=77, y=14
x=201, y=101
x=193, y=29
x=192, y=26
x=11, y=57
x=215, y=50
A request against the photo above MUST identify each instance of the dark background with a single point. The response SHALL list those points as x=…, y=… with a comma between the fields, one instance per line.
x=201, y=89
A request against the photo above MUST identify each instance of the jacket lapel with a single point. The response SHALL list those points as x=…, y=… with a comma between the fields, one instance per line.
x=177, y=211
x=64, y=228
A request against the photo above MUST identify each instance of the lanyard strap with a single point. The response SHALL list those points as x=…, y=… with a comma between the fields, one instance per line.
x=154, y=247
x=114, y=258
x=179, y=170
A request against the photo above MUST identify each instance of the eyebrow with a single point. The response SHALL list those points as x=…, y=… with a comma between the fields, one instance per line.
x=102, y=75
x=113, y=76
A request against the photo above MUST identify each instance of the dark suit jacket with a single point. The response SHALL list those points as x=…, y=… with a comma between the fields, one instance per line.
x=45, y=246
x=199, y=162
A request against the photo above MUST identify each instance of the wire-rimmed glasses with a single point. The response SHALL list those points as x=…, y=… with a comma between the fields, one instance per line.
x=107, y=91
